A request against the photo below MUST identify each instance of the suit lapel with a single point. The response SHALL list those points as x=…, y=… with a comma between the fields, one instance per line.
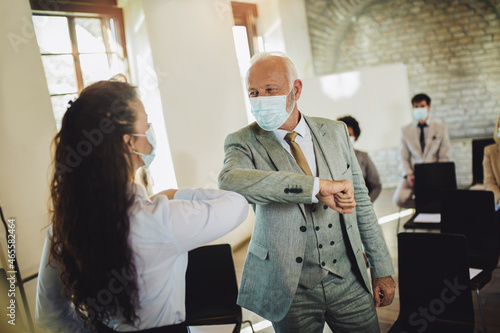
x=431, y=133
x=277, y=154
x=330, y=151
x=415, y=140
x=275, y=150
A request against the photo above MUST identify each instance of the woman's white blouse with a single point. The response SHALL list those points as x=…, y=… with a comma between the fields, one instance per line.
x=161, y=233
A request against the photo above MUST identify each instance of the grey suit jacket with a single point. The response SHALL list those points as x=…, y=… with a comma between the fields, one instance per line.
x=491, y=169
x=437, y=145
x=259, y=168
x=370, y=174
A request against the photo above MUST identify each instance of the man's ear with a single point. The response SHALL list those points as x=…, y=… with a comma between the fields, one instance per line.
x=127, y=141
x=297, y=88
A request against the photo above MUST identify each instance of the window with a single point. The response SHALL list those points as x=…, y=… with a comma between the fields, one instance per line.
x=246, y=41
x=77, y=49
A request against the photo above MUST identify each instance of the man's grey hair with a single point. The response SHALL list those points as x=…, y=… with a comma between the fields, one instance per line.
x=290, y=67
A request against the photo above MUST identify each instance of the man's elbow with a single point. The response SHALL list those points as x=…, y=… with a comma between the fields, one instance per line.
x=225, y=182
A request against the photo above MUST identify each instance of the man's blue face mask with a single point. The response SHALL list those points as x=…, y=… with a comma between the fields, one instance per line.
x=420, y=113
x=270, y=111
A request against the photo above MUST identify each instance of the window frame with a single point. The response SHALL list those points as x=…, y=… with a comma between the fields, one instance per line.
x=105, y=13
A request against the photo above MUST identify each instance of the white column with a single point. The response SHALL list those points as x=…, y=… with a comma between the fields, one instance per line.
x=27, y=127
x=203, y=101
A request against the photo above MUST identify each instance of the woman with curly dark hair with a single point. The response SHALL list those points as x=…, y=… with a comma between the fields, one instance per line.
x=114, y=258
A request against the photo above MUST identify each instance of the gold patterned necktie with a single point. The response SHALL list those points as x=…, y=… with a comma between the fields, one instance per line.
x=297, y=153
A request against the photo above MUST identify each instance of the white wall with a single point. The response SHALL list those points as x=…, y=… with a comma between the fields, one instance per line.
x=192, y=45
x=195, y=61
x=146, y=77
x=27, y=127
x=378, y=97
x=283, y=27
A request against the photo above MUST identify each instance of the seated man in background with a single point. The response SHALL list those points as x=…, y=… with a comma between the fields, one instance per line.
x=370, y=173
x=423, y=141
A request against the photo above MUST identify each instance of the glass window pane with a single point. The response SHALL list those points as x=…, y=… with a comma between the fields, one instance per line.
x=117, y=65
x=59, y=107
x=89, y=35
x=95, y=67
x=114, y=45
x=52, y=34
x=60, y=74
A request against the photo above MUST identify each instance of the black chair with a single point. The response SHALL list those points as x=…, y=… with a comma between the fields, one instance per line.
x=430, y=180
x=211, y=288
x=477, y=159
x=472, y=213
x=434, y=291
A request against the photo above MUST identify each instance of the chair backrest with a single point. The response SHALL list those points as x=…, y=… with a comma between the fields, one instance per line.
x=472, y=213
x=477, y=158
x=430, y=180
x=433, y=279
x=211, y=286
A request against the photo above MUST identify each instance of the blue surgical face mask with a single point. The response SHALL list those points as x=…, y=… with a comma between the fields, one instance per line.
x=150, y=135
x=269, y=111
x=498, y=134
x=351, y=138
x=420, y=113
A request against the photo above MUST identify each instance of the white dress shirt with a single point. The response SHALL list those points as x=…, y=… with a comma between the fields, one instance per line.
x=305, y=142
x=162, y=231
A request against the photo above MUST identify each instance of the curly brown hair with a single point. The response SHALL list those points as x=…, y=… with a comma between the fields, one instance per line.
x=90, y=216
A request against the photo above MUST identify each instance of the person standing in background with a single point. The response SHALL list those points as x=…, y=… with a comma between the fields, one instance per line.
x=423, y=141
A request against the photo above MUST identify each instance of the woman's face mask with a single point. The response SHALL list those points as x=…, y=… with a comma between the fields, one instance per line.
x=150, y=135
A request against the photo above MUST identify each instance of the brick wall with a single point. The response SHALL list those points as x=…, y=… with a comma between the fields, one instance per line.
x=451, y=50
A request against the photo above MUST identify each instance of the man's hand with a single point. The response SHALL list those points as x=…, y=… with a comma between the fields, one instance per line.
x=338, y=195
x=410, y=179
x=383, y=290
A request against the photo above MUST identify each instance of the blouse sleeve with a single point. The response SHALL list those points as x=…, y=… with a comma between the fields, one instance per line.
x=198, y=216
x=53, y=311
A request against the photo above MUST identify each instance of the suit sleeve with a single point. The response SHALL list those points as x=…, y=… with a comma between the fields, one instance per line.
x=240, y=175
x=490, y=183
x=444, y=150
x=369, y=229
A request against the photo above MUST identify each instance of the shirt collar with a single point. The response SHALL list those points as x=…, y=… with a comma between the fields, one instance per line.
x=138, y=190
x=301, y=129
x=427, y=123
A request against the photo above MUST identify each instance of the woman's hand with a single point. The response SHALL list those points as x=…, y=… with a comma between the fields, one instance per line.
x=169, y=193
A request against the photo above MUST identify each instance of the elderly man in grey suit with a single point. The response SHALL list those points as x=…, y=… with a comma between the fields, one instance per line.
x=423, y=141
x=305, y=260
